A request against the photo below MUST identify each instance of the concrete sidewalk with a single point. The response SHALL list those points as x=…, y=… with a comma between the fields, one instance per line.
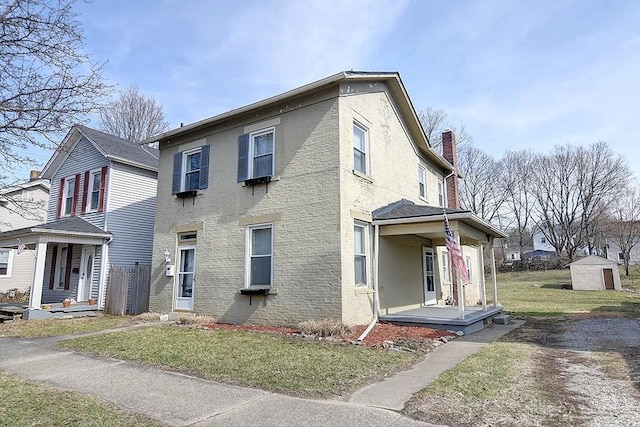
x=182, y=400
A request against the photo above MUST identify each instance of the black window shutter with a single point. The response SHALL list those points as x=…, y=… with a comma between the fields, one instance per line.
x=177, y=173
x=204, y=166
x=243, y=157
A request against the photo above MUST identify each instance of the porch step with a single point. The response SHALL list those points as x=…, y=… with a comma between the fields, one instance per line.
x=502, y=319
x=5, y=318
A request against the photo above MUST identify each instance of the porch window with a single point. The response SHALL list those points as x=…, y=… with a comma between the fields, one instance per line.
x=63, y=270
x=469, y=269
x=6, y=256
x=422, y=182
x=360, y=240
x=446, y=273
x=260, y=255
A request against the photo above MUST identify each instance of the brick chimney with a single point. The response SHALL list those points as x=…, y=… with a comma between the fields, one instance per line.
x=449, y=153
x=33, y=175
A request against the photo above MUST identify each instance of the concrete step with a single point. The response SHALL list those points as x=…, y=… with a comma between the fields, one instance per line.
x=502, y=319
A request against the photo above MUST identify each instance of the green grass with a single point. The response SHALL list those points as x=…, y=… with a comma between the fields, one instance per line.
x=541, y=293
x=25, y=403
x=268, y=361
x=57, y=327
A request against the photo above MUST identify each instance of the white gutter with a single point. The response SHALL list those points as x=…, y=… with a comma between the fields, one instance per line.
x=376, y=274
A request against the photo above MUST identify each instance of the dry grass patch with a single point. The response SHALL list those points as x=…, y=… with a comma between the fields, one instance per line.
x=324, y=328
x=58, y=327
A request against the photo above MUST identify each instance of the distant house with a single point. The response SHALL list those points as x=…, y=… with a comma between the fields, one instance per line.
x=324, y=201
x=21, y=205
x=103, y=192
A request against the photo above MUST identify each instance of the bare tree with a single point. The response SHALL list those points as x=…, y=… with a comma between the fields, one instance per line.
x=482, y=190
x=572, y=183
x=46, y=83
x=434, y=121
x=623, y=225
x=133, y=116
x=518, y=175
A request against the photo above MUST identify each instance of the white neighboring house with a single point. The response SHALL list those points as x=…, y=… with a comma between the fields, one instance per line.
x=21, y=205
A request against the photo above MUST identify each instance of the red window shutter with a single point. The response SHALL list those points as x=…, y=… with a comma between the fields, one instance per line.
x=85, y=190
x=67, y=275
x=60, y=193
x=103, y=185
x=76, y=190
x=54, y=258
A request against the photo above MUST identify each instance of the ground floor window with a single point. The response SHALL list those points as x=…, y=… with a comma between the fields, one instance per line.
x=360, y=250
x=446, y=272
x=6, y=256
x=260, y=255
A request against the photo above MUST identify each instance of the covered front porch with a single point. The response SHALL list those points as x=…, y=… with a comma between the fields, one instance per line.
x=415, y=279
x=68, y=262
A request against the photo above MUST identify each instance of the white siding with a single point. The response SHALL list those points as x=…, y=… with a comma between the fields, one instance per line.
x=21, y=272
x=37, y=198
x=131, y=210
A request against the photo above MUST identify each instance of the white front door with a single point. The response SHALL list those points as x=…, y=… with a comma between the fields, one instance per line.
x=185, y=278
x=429, y=278
x=86, y=273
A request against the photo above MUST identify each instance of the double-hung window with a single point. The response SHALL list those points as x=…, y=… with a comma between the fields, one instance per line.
x=360, y=149
x=260, y=255
x=440, y=194
x=360, y=248
x=94, y=188
x=422, y=182
x=446, y=272
x=68, y=196
x=6, y=258
x=191, y=169
x=256, y=155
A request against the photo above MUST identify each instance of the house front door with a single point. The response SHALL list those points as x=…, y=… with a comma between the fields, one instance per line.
x=429, y=278
x=185, y=278
x=86, y=273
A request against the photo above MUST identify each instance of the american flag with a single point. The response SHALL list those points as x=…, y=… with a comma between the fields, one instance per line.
x=457, y=262
x=21, y=248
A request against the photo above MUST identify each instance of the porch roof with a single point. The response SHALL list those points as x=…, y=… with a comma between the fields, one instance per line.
x=406, y=217
x=65, y=230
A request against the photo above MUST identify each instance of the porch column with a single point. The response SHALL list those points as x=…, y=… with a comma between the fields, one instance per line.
x=493, y=274
x=461, y=301
x=483, y=284
x=35, y=297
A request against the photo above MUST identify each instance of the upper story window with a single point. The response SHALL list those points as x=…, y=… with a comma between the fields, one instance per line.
x=68, y=196
x=422, y=182
x=360, y=149
x=256, y=154
x=360, y=250
x=94, y=187
x=6, y=258
x=440, y=194
x=260, y=255
x=191, y=169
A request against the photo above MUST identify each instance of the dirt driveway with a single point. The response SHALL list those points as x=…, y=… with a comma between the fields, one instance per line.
x=591, y=366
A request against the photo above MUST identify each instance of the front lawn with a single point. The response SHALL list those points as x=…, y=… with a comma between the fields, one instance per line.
x=269, y=361
x=545, y=293
x=25, y=403
x=58, y=327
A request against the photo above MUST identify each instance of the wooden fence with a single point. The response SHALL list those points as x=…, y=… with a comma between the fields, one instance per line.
x=128, y=290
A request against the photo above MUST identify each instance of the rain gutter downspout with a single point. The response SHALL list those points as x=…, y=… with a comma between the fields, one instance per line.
x=376, y=273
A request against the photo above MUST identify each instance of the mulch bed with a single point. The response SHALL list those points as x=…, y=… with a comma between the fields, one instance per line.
x=381, y=333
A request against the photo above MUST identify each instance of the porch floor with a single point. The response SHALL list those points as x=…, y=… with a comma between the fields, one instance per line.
x=55, y=311
x=444, y=317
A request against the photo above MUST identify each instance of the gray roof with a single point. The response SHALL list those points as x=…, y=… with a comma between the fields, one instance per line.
x=72, y=225
x=407, y=209
x=122, y=150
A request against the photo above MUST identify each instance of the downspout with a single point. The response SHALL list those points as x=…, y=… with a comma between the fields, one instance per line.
x=376, y=273
x=446, y=190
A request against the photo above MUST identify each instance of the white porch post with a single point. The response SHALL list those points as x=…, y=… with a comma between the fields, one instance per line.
x=35, y=297
x=493, y=274
x=483, y=284
x=461, y=301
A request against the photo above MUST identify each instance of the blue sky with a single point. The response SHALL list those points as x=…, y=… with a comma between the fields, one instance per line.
x=516, y=74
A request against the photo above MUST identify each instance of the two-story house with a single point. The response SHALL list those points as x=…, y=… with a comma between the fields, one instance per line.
x=21, y=205
x=100, y=214
x=324, y=201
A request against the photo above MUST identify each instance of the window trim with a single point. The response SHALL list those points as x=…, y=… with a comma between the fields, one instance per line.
x=9, y=262
x=365, y=131
x=65, y=195
x=249, y=256
x=365, y=227
x=422, y=182
x=252, y=156
x=90, y=191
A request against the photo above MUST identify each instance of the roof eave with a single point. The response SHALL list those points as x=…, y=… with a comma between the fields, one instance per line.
x=475, y=220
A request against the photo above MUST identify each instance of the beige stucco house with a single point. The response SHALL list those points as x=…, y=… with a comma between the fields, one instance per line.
x=324, y=201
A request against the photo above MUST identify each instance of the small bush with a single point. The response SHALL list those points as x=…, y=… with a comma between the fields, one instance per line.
x=147, y=317
x=324, y=328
